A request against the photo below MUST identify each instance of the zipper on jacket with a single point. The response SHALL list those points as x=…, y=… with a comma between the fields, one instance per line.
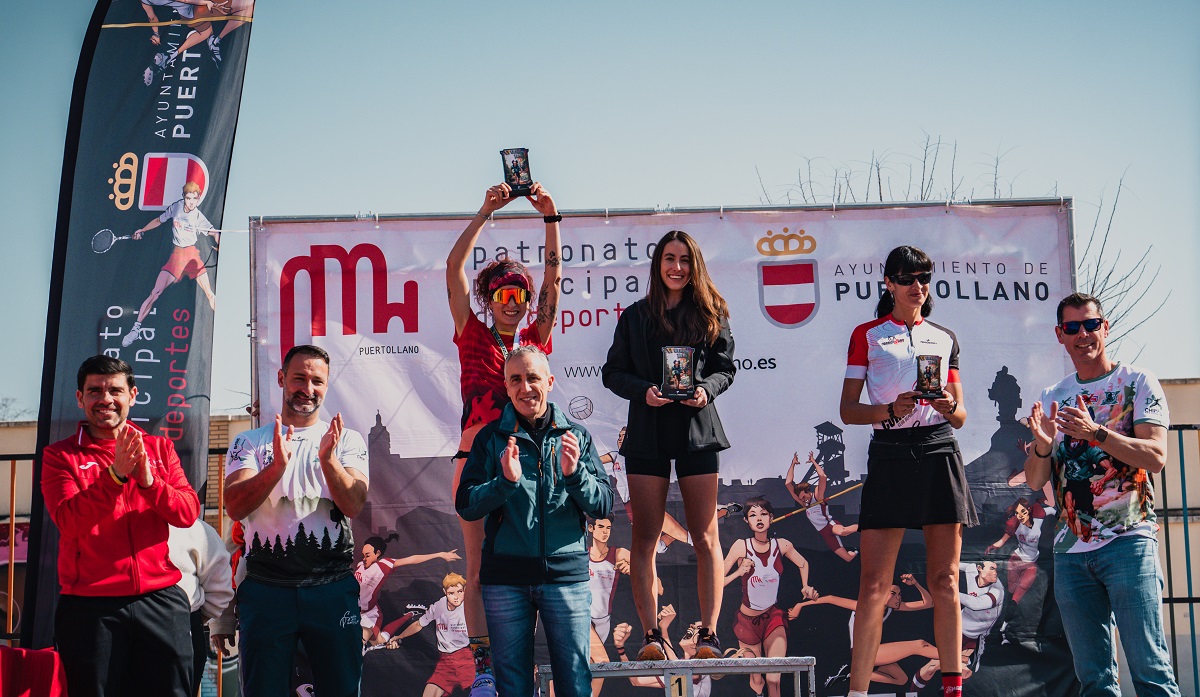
x=542, y=519
x=137, y=576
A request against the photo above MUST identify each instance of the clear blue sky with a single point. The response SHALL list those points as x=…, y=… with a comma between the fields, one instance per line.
x=401, y=107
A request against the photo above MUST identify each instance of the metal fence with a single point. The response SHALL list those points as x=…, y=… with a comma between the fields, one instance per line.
x=1171, y=514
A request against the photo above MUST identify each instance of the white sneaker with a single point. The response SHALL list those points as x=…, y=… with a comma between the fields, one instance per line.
x=132, y=336
x=214, y=45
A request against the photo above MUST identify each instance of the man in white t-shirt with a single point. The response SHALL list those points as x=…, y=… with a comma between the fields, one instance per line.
x=1098, y=435
x=455, y=667
x=296, y=484
x=187, y=224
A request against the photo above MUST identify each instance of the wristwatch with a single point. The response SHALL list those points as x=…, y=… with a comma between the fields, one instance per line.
x=1101, y=434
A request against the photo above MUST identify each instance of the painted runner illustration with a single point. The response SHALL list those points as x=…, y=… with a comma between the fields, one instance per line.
x=760, y=627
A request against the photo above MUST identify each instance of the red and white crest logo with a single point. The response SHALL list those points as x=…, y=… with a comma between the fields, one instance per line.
x=163, y=177
x=788, y=292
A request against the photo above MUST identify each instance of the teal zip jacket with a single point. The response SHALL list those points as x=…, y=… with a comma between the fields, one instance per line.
x=536, y=528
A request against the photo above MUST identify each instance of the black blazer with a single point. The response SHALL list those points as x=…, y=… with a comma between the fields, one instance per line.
x=631, y=370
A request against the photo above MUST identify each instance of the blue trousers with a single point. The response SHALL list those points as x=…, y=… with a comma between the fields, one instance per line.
x=564, y=609
x=1121, y=581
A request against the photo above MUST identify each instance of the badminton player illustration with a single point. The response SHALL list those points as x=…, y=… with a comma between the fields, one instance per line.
x=187, y=224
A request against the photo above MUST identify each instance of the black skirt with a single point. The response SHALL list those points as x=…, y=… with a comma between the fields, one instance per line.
x=915, y=477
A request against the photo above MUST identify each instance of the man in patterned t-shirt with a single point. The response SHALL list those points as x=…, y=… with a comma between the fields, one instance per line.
x=1100, y=434
x=296, y=483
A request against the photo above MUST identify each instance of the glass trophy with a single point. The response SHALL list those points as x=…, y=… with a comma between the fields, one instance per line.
x=516, y=170
x=678, y=381
x=929, y=377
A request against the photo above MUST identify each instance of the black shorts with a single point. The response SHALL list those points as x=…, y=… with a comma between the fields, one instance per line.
x=915, y=477
x=686, y=465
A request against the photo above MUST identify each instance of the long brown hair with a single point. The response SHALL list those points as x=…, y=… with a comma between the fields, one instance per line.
x=702, y=307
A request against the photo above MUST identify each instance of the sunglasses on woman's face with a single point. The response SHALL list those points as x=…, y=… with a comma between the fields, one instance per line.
x=503, y=295
x=907, y=279
x=1091, y=324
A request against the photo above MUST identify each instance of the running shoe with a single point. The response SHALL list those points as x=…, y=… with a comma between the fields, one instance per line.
x=652, y=647
x=131, y=337
x=731, y=509
x=707, y=644
x=214, y=45
x=484, y=686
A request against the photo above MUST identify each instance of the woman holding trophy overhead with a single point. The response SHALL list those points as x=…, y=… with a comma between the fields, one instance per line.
x=504, y=291
x=671, y=356
x=915, y=475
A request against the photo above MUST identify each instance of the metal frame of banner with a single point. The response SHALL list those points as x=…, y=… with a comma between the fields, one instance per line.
x=252, y=326
x=687, y=669
x=1063, y=202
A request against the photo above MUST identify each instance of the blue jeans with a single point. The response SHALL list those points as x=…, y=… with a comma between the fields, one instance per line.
x=1121, y=580
x=564, y=609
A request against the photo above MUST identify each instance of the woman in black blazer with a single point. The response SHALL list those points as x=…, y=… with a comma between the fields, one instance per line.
x=682, y=308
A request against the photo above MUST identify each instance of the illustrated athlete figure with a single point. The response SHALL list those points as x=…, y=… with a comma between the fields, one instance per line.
x=817, y=511
x=372, y=571
x=887, y=661
x=760, y=627
x=187, y=223
x=455, y=669
x=200, y=32
x=1025, y=523
x=701, y=684
x=981, y=597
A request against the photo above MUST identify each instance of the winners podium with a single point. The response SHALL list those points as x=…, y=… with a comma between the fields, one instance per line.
x=677, y=676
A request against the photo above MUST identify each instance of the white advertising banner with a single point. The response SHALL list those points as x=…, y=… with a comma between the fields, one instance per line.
x=372, y=293
x=798, y=281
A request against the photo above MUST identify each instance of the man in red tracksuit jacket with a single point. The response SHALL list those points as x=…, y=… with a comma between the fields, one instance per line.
x=122, y=625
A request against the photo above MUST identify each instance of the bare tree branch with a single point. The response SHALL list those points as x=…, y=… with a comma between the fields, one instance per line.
x=1126, y=290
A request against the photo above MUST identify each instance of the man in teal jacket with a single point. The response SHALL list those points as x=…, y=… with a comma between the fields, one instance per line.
x=536, y=477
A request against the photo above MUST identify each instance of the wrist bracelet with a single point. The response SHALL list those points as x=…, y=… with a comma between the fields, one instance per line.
x=551, y=218
x=620, y=650
x=891, y=410
x=953, y=408
x=1047, y=455
x=116, y=477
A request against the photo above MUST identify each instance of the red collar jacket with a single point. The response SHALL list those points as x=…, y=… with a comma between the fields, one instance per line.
x=113, y=537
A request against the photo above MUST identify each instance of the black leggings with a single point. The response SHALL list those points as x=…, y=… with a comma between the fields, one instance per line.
x=687, y=465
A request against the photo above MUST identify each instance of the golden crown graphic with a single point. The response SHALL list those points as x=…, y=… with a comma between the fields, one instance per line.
x=786, y=243
x=124, y=181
